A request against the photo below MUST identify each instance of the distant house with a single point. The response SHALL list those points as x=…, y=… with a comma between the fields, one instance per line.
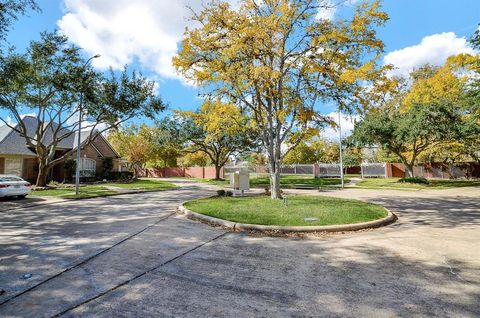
x=17, y=158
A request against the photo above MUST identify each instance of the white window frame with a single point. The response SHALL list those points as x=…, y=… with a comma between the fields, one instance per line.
x=88, y=167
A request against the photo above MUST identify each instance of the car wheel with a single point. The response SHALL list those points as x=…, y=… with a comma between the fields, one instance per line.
x=22, y=196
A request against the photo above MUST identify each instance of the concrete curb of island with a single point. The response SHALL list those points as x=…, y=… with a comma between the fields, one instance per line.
x=240, y=227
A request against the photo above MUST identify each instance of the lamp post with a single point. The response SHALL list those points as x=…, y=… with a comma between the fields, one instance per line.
x=340, y=141
x=77, y=166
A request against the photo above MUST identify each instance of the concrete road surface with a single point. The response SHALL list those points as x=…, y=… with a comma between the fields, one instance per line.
x=128, y=256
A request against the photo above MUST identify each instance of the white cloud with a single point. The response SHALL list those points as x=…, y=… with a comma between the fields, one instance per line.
x=123, y=31
x=327, y=10
x=433, y=49
x=72, y=124
x=9, y=121
x=22, y=116
x=347, y=123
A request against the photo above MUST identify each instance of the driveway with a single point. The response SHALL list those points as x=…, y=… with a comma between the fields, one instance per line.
x=128, y=256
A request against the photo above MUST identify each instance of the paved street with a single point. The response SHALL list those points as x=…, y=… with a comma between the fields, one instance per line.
x=127, y=256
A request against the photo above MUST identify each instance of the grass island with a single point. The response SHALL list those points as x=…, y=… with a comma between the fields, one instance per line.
x=300, y=210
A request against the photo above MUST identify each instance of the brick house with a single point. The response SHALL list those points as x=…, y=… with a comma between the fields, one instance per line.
x=17, y=158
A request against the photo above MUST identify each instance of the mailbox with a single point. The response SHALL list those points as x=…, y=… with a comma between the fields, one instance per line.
x=240, y=180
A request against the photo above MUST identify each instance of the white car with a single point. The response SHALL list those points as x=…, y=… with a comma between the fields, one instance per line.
x=13, y=186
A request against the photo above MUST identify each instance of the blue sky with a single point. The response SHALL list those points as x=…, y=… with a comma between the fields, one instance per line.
x=145, y=34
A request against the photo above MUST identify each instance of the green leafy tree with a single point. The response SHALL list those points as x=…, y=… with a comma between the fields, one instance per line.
x=54, y=81
x=257, y=159
x=217, y=129
x=470, y=130
x=194, y=159
x=167, y=142
x=352, y=157
x=10, y=11
x=407, y=133
x=314, y=150
x=132, y=144
x=455, y=83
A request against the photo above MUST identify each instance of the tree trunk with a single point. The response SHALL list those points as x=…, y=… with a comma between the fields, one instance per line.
x=409, y=168
x=275, y=181
x=42, y=175
x=217, y=172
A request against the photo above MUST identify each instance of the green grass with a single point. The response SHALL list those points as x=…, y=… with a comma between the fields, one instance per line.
x=291, y=181
x=265, y=211
x=91, y=191
x=433, y=184
x=143, y=184
x=286, y=181
x=69, y=193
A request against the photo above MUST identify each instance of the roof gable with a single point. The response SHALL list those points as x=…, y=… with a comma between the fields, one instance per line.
x=11, y=142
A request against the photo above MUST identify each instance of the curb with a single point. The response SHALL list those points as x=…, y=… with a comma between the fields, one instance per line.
x=240, y=227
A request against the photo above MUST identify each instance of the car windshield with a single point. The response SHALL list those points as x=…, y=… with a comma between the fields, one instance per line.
x=6, y=179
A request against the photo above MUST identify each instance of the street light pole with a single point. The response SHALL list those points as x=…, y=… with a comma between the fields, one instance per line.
x=340, y=141
x=77, y=166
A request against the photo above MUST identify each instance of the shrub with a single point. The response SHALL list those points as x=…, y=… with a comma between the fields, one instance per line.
x=417, y=180
x=120, y=175
x=220, y=193
x=54, y=184
x=107, y=164
x=69, y=166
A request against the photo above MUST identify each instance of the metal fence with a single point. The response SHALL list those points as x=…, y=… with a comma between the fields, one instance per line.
x=329, y=170
x=374, y=170
x=367, y=170
x=300, y=169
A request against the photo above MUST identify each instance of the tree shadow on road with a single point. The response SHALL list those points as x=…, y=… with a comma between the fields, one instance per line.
x=434, y=212
x=272, y=277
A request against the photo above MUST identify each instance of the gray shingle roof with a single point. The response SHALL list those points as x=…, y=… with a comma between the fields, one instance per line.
x=12, y=143
x=4, y=130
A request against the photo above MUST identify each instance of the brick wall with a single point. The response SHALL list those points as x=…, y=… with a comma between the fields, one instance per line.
x=30, y=169
x=195, y=172
x=91, y=153
x=172, y=172
x=395, y=170
x=104, y=148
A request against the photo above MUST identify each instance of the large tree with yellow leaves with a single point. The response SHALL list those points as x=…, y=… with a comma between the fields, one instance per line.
x=277, y=61
x=217, y=129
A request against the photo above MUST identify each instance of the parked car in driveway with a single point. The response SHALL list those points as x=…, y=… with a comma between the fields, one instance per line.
x=13, y=186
